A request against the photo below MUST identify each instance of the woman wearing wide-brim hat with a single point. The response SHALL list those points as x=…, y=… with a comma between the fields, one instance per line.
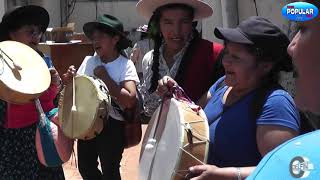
x=120, y=76
x=179, y=51
x=18, y=123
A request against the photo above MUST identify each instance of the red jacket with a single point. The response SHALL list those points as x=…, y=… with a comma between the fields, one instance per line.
x=19, y=116
x=200, y=74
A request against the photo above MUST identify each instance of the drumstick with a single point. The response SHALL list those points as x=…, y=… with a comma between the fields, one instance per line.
x=73, y=108
x=14, y=64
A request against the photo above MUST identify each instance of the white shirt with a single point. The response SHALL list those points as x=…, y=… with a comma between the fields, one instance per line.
x=121, y=69
x=140, y=48
x=152, y=101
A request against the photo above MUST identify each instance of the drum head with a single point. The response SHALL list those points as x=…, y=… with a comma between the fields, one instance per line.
x=76, y=124
x=165, y=154
x=32, y=79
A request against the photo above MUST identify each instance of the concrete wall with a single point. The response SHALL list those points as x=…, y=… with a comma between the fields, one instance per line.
x=214, y=21
x=86, y=11
x=124, y=11
x=270, y=9
x=53, y=7
x=2, y=8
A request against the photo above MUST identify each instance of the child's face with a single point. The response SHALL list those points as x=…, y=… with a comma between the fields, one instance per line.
x=104, y=44
x=304, y=50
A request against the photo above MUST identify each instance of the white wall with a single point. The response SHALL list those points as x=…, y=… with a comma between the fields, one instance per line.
x=2, y=8
x=124, y=11
x=53, y=7
x=270, y=9
x=215, y=20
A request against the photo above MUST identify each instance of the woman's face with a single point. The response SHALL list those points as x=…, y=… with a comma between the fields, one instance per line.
x=27, y=34
x=176, y=27
x=241, y=68
x=304, y=50
x=104, y=44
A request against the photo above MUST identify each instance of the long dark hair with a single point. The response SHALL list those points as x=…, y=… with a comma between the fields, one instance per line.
x=281, y=62
x=155, y=34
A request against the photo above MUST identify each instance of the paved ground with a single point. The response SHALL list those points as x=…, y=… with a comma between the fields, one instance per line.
x=129, y=164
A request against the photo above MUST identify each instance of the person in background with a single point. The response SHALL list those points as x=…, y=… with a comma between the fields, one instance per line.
x=140, y=48
x=299, y=157
x=120, y=76
x=18, y=124
x=248, y=112
x=179, y=51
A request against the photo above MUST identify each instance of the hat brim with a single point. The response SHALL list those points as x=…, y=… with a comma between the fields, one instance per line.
x=89, y=27
x=37, y=13
x=233, y=35
x=201, y=9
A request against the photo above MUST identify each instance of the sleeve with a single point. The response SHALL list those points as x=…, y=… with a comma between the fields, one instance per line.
x=83, y=65
x=53, y=89
x=129, y=72
x=135, y=53
x=146, y=64
x=280, y=109
x=215, y=86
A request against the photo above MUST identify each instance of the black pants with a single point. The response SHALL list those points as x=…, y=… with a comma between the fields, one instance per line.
x=108, y=146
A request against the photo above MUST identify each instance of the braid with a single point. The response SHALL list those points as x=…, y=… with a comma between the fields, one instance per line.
x=187, y=57
x=156, y=36
x=270, y=81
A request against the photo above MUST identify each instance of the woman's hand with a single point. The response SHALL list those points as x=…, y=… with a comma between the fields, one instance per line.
x=55, y=78
x=67, y=77
x=165, y=84
x=203, y=172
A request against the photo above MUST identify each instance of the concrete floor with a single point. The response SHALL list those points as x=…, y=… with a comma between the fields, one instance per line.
x=129, y=164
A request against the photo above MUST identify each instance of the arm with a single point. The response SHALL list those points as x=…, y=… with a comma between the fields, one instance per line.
x=270, y=136
x=278, y=122
x=209, y=172
x=125, y=93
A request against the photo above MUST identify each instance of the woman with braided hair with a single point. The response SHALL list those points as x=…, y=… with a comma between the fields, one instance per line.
x=179, y=51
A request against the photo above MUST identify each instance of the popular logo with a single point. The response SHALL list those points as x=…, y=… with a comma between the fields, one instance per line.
x=300, y=167
x=300, y=11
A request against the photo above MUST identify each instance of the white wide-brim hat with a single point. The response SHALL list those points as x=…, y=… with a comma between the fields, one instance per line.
x=201, y=9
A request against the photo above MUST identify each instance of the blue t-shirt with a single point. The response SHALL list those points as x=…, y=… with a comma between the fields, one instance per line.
x=294, y=159
x=233, y=131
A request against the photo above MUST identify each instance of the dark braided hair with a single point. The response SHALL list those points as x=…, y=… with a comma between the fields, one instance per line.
x=155, y=34
x=281, y=62
x=187, y=57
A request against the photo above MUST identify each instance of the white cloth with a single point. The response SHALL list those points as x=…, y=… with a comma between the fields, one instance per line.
x=151, y=100
x=139, y=49
x=121, y=69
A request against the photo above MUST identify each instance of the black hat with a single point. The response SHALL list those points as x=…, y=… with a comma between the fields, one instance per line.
x=260, y=33
x=24, y=15
x=109, y=23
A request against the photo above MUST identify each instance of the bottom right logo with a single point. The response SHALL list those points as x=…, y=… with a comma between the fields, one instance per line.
x=300, y=167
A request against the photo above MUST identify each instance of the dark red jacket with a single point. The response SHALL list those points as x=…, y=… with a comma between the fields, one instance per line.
x=200, y=72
